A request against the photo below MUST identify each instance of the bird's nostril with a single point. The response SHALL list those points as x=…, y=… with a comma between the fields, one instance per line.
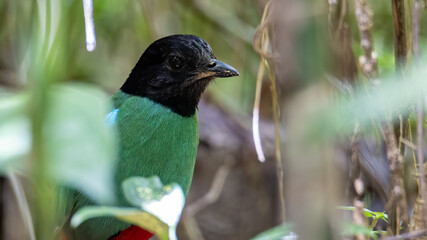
x=212, y=64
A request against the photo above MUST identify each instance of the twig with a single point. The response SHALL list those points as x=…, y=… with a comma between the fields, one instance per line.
x=416, y=28
x=420, y=156
x=89, y=25
x=359, y=216
x=368, y=62
x=276, y=114
x=262, y=38
x=214, y=192
x=341, y=18
x=358, y=213
x=22, y=203
x=210, y=197
x=407, y=235
x=396, y=178
x=413, y=155
x=255, y=115
x=331, y=15
x=193, y=229
x=400, y=46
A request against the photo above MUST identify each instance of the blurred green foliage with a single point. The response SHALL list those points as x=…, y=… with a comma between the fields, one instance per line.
x=156, y=208
x=277, y=233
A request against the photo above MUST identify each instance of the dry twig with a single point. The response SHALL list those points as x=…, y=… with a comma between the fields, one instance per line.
x=408, y=235
x=400, y=46
x=261, y=45
x=209, y=198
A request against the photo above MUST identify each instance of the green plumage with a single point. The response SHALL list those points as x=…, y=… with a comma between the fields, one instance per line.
x=153, y=141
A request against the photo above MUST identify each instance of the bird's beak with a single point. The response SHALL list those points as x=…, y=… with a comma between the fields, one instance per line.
x=217, y=68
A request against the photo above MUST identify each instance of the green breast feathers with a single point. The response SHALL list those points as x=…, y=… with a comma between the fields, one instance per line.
x=154, y=141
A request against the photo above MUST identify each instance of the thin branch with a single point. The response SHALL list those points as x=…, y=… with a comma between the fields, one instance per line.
x=397, y=201
x=89, y=25
x=261, y=45
x=193, y=229
x=413, y=155
x=342, y=16
x=408, y=235
x=262, y=50
x=22, y=203
x=420, y=156
x=416, y=28
x=214, y=192
x=210, y=197
x=400, y=46
x=368, y=62
x=276, y=115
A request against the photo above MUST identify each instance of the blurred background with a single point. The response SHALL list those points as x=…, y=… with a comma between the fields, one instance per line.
x=337, y=85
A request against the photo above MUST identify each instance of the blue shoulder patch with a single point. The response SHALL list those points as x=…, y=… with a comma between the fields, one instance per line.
x=111, y=117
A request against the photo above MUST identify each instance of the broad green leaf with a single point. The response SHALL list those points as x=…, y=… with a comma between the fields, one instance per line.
x=79, y=145
x=277, y=233
x=132, y=215
x=157, y=208
x=165, y=202
x=15, y=131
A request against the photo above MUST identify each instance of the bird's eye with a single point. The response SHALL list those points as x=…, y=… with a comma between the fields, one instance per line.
x=176, y=62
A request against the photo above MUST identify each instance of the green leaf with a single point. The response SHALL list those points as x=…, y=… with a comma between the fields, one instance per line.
x=276, y=233
x=15, y=132
x=381, y=215
x=79, y=145
x=132, y=215
x=157, y=208
x=149, y=194
x=367, y=212
x=351, y=229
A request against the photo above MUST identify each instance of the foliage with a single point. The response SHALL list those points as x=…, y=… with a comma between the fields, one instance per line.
x=352, y=229
x=79, y=147
x=375, y=216
x=156, y=208
x=276, y=233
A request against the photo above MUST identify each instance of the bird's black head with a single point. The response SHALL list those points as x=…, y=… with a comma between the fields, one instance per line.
x=174, y=71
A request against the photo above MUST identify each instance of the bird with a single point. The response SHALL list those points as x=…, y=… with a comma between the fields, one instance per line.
x=155, y=113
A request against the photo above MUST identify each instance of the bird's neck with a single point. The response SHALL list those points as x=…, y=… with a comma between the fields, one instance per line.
x=175, y=99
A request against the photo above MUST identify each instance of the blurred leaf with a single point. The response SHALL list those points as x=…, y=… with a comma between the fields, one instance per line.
x=277, y=233
x=351, y=229
x=390, y=96
x=15, y=137
x=158, y=209
x=79, y=145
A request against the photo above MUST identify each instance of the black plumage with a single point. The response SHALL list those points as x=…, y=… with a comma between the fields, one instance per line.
x=174, y=71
